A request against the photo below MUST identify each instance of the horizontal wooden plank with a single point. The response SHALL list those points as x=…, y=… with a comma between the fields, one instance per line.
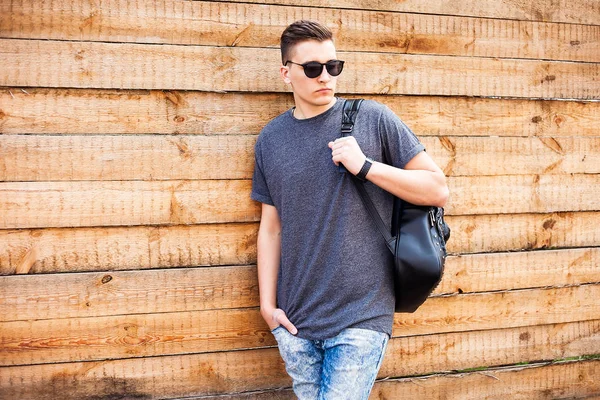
x=503, y=309
x=460, y=156
x=118, y=248
x=252, y=25
x=33, y=297
x=572, y=379
x=63, y=204
x=110, y=203
x=143, y=66
x=159, y=157
x=106, y=249
x=489, y=233
x=522, y=194
x=534, y=381
x=127, y=292
x=156, y=157
x=461, y=350
x=517, y=270
x=91, y=111
x=143, y=335
x=125, y=336
x=578, y=11
x=231, y=372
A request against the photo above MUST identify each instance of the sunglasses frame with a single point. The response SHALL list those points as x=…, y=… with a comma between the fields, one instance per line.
x=327, y=65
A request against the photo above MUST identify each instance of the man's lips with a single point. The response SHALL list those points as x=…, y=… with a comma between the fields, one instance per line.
x=324, y=90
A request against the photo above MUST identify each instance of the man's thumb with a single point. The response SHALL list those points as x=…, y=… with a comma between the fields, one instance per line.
x=287, y=324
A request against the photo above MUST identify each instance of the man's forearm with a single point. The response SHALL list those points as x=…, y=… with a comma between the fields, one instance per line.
x=269, y=251
x=419, y=187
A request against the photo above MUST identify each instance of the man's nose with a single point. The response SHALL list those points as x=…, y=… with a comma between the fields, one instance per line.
x=324, y=77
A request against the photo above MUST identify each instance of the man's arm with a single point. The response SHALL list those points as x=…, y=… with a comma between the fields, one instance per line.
x=421, y=181
x=269, y=255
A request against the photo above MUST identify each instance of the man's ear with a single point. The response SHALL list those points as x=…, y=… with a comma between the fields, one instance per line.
x=285, y=72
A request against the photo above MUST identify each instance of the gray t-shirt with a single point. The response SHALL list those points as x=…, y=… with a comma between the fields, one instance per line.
x=335, y=270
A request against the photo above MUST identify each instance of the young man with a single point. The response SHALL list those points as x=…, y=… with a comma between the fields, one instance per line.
x=325, y=282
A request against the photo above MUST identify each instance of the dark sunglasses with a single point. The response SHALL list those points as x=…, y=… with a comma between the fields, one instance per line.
x=312, y=69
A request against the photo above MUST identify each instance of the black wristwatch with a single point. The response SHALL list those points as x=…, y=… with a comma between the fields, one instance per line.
x=362, y=174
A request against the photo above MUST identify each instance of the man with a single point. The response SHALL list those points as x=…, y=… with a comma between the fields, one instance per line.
x=326, y=287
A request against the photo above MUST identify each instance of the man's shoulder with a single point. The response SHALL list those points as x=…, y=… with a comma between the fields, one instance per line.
x=270, y=134
x=368, y=105
x=372, y=112
x=377, y=108
x=383, y=114
x=374, y=109
x=276, y=123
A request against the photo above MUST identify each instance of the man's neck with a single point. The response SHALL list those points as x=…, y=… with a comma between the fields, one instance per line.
x=304, y=110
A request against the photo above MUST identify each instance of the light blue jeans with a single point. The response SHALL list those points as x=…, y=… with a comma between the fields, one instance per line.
x=342, y=367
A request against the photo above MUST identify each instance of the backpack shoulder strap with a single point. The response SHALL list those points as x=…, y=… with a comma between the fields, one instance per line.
x=349, y=114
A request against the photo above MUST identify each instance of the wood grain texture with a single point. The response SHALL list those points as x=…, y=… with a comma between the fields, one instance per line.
x=489, y=233
x=51, y=296
x=522, y=194
x=112, y=203
x=231, y=372
x=137, y=66
x=251, y=25
x=517, y=270
x=490, y=156
x=119, y=248
x=528, y=382
x=142, y=335
x=460, y=350
x=158, y=157
x=580, y=11
x=117, y=203
x=90, y=111
x=120, y=293
x=135, y=335
x=532, y=382
x=121, y=158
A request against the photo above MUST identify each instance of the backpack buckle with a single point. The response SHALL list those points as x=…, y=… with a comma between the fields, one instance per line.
x=347, y=129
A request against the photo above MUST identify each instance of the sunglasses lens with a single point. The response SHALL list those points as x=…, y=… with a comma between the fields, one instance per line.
x=313, y=69
x=334, y=68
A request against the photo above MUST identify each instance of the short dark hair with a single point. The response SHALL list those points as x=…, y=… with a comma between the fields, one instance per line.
x=301, y=31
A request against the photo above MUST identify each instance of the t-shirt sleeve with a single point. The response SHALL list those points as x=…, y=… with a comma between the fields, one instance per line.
x=260, y=190
x=401, y=142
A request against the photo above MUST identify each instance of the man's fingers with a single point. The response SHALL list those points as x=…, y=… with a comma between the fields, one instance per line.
x=338, y=140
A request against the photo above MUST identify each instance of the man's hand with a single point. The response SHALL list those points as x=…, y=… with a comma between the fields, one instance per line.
x=276, y=317
x=346, y=150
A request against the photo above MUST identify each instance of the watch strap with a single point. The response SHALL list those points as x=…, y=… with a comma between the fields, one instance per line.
x=362, y=174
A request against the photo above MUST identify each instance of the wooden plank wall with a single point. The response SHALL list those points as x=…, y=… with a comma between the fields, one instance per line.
x=127, y=236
